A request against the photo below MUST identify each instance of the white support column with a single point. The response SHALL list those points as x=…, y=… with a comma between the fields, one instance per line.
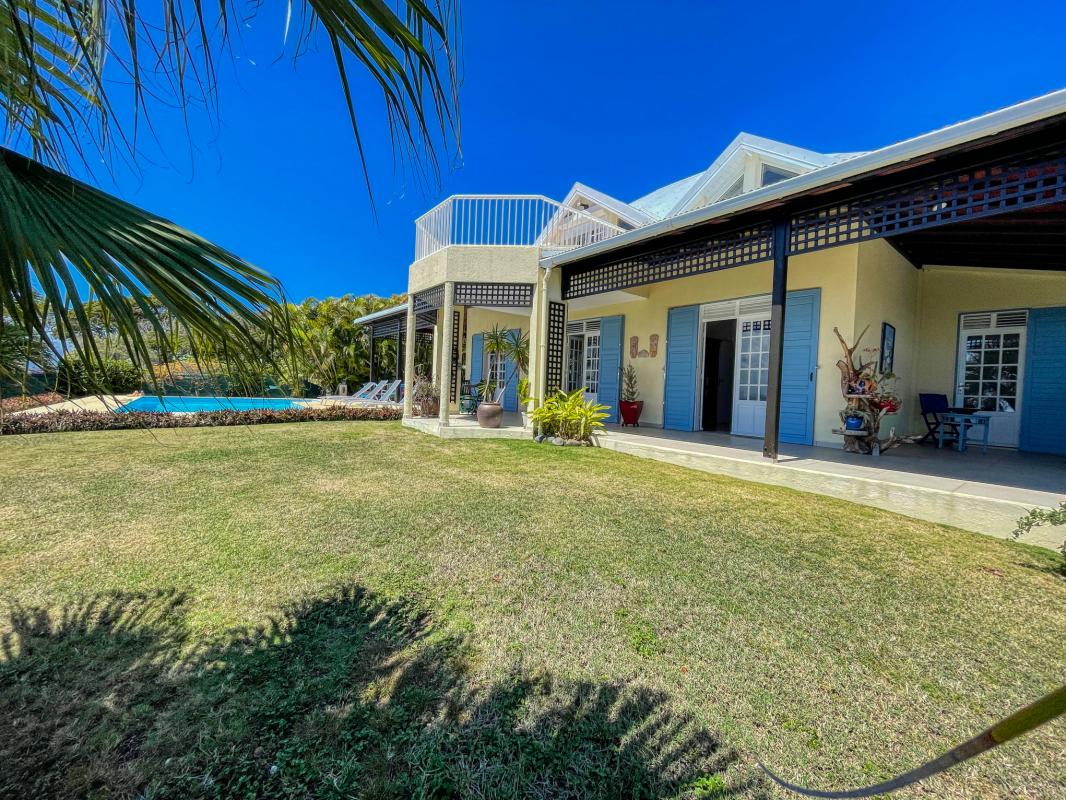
x=538, y=336
x=446, y=345
x=435, y=363
x=409, y=360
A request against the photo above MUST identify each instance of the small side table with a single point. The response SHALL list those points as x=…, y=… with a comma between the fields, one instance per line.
x=964, y=422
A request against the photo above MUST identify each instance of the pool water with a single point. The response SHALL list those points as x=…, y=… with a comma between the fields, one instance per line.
x=190, y=404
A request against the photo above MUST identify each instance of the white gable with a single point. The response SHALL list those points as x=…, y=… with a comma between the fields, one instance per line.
x=750, y=162
x=606, y=207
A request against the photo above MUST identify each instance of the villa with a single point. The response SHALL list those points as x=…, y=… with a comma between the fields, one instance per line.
x=723, y=290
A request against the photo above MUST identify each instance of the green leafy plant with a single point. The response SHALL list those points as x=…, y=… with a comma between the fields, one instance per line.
x=511, y=345
x=77, y=378
x=144, y=272
x=630, y=389
x=524, y=397
x=569, y=416
x=1042, y=516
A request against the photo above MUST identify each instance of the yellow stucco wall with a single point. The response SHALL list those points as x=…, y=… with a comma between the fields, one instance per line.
x=833, y=271
x=886, y=290
x=947, y=292
x=479, y=264
x=480, y=320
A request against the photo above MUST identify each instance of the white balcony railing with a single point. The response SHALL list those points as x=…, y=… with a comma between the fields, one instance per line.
x=507, y=221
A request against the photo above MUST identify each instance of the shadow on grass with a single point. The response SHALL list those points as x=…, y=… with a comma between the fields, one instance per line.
x=347, y=696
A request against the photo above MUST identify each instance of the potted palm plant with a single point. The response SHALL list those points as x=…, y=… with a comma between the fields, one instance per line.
x=631, y=404
x=508, y=345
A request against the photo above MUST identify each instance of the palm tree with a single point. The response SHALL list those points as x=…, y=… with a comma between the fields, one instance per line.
x=63, y=241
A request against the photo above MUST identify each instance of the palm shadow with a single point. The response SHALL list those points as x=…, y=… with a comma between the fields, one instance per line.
x=346, y=696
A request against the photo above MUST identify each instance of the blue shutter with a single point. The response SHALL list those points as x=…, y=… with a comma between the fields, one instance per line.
x=1043, y=407
x=510, y=391
x=799, y=362
x=477, y=359
x=679, y=395
x=610, y=365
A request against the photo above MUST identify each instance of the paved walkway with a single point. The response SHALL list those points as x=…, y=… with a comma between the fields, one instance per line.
x=464, y=426
x=102, y=403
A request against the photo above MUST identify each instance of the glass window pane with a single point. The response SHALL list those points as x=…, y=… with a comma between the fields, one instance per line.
x=990, y=373
x=743, y=392
x=1006, y=405
x=973, y=373
x=973, y=356
x=745, y=360
x=1009, y=373
x=974, y=342
x=1010, y=356
x=1011, y=340
x=1008, y=389
x=972, y=388
x=991, y=356
x=764, y=377
x=992, y=341
x=969, y=402
x=989, y=389
x=988, y=404
x=762, y=392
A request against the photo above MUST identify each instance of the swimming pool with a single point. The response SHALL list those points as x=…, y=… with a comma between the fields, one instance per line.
x=189, y=404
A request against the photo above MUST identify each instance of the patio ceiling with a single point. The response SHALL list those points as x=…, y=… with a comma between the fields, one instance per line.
x=1031, y=239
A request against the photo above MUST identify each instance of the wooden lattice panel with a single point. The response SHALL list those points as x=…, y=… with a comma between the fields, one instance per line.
x=980, y=192
x=556, y=339
x=507, y=295
x=455, y=356
x=430, y=299
x=732, y=249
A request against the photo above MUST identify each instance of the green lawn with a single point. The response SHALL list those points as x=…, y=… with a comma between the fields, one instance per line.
x=355, y=609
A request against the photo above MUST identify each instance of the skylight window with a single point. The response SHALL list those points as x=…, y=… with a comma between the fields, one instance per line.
x=771, y=175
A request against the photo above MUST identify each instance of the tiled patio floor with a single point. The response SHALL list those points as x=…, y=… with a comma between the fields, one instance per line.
x=982, y=493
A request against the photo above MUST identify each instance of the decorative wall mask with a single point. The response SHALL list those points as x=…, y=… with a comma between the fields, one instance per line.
x=636, y=352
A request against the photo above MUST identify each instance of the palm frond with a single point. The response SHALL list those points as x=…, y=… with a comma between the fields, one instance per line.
x=53, y=53
x=62, y=241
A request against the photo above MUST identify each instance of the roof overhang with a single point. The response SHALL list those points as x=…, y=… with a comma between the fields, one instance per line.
x=900, y=162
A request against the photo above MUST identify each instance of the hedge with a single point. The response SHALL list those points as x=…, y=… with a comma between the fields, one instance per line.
x=64, y=421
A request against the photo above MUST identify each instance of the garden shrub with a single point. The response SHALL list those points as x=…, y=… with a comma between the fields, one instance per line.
x=112, y=375
x=569, y=416
x=22, y=402
x=65, y=421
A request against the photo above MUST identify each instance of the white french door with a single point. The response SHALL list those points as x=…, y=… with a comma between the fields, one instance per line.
x=991, y=359
x=752, y=375
x=583, y=358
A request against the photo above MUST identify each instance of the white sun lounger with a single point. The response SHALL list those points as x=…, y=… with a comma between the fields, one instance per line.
x=387, y=395
x=368, y=389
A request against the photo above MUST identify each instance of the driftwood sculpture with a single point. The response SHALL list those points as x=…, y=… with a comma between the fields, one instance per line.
x=866, y=396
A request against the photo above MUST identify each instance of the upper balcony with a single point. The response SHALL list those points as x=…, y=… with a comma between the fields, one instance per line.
x=515, y=220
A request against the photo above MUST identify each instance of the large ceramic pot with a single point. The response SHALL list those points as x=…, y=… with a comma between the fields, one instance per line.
x=631, y=412
x=489, y=415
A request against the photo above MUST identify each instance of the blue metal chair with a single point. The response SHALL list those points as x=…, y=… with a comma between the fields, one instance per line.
x=933, y=405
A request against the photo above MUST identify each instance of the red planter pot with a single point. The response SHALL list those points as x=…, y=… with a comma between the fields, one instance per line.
x=631, y=412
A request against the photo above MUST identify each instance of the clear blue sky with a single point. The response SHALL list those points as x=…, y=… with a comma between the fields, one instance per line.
x=623, y=96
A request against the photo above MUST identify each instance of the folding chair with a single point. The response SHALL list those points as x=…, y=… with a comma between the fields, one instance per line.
x=933, y=405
